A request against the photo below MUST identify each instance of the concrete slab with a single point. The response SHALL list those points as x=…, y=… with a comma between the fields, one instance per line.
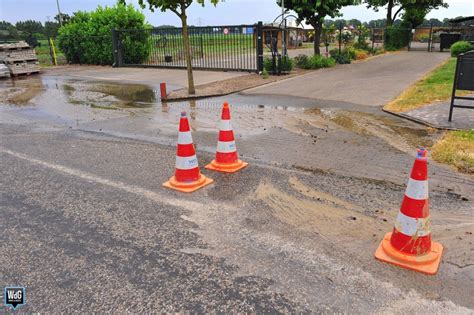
x=437, y=115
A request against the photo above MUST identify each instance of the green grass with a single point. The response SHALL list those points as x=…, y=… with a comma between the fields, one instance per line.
x=456, y=149
x=436, y=86
x=44, y=56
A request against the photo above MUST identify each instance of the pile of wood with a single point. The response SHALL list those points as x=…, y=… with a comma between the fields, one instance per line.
x=20, y=58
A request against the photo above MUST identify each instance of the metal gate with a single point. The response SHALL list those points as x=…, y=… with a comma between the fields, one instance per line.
x=423, y=39
x=233, y=48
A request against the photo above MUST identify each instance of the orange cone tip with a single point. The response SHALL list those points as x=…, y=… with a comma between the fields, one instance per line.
x=187, y=176
x=227, y=159
x=409, y=245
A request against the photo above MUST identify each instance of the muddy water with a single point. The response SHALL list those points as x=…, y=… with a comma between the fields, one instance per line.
x=80, y=101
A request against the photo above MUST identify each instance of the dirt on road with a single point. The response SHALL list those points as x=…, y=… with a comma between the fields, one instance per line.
x=295, y=231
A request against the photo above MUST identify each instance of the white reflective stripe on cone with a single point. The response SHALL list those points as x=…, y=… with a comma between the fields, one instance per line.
x=185, y=137
x=225, y=125
x=417, y=189
x=226, y=147
x=186, y=163
x=411, y=226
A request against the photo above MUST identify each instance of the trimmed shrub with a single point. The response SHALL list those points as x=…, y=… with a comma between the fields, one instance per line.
x=87, y=38
x=460, y=48
x=314, y=62
x=396, y=37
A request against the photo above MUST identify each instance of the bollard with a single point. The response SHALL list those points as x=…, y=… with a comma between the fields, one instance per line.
x=164, y=95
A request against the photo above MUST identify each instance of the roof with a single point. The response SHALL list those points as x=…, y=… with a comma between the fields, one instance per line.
x=462, y=19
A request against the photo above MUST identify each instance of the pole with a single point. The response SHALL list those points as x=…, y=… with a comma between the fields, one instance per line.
x=283, y=46
x=59, y=14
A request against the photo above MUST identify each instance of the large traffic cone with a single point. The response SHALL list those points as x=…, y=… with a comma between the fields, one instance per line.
x=409, y=245
x=187, y=177
x=227, y=159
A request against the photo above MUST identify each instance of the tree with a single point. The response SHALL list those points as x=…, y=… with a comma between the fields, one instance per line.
x=65, y=18
x=314, y=12
x=51, y=29
x=178, y=7
x=395, y=7
x=30, y=27
x=8, y=31
x=435, y=22
x=413, y=17
x=354, y=22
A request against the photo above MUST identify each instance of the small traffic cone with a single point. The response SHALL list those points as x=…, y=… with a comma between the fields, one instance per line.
x=227, y=159
x=409, y=245
x=187, y=177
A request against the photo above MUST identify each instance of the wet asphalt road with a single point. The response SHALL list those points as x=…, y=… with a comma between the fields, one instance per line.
x=86, y=225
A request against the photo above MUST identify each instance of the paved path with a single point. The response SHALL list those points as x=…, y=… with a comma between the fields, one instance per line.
x=437, y=115
x=373, y=82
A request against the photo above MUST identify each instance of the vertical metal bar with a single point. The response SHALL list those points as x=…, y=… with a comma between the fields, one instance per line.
x=453, y=95
x=259, y=47
x=340, y=37
x=373, y=38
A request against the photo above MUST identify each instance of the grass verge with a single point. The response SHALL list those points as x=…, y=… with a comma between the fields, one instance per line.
x=456, y=148
x=436, y=86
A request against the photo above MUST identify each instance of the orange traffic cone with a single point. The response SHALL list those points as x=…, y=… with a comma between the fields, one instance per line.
x=227, y=159
x=409, y=245
x=187, y=177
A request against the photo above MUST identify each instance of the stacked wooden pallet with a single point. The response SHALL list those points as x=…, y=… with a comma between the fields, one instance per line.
x=20, y=58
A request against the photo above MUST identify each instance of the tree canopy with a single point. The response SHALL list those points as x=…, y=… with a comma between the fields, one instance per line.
x=313, y=13
x=395, y=7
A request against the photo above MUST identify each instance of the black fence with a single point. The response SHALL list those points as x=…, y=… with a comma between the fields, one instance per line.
x=233, y=48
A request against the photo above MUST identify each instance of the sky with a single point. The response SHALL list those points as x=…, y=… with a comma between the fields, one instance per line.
x=229, y=12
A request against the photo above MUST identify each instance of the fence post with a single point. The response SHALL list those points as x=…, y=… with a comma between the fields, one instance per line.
x=340, y=37
x=430, y=39
x=115, y=47
x=373, y=38
x=259, y=47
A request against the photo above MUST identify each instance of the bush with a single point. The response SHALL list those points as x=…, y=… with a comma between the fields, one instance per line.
x=345, y=56
x=286, y=64
x=87, y=39
x=396, y=37
x=361, y=54
x=314, y=62
x=268, y=64
x=302, y=61
x=460, y=48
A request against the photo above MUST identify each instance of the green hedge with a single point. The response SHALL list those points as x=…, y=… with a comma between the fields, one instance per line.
x=460, y=48
x=314, y=62
x=396, y=37
x=87, y=38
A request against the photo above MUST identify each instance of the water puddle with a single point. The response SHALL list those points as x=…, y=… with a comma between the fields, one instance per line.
x=85, y=101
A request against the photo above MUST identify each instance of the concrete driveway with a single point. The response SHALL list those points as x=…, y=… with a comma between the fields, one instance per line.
x=373, y=82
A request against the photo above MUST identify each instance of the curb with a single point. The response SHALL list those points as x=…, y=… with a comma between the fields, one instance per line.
x=419, y=121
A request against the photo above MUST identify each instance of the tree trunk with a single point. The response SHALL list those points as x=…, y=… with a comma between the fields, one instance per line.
x=317, y=37
x=187, y=52
x=389, y=21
